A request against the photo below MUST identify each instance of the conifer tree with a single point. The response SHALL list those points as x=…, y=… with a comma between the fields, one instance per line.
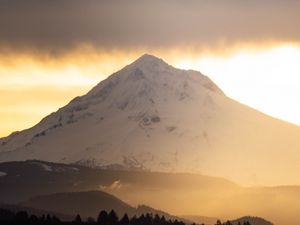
x=113, y=218
x=124, y=220
x=102, y=218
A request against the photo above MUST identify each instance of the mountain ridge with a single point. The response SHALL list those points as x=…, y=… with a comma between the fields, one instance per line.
x=150, y=115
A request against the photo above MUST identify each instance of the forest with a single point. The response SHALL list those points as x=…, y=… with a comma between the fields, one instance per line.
x=8, y=217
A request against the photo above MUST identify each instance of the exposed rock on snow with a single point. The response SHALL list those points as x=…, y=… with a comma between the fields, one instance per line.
x=150, y=115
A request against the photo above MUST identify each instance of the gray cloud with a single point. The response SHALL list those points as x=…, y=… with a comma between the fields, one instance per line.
x=59, y=25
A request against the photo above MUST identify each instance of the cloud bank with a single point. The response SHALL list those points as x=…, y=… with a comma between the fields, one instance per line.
x=56, y=26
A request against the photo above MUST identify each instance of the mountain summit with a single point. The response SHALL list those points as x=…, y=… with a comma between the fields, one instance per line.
x=152, y=116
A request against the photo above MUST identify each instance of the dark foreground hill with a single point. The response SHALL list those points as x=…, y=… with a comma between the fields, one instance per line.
x=23, y=180
x=34, y=211
x=251, y=220
x=87, y=204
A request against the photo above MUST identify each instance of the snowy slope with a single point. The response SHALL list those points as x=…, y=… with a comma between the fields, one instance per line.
x=152, y=116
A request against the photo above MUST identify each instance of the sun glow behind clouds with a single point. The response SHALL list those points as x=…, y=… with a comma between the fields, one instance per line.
x=265, y=79
x=31, y=87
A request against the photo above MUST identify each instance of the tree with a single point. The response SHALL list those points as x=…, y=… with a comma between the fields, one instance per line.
x=78, y=219
x=21, y=217
x=102, y=218
x=6, y=215
x=90, y=220
x=228, y=223
x=42, y=219
x=33, y=219
x=147, y=219
x=219, y=222
x=156, y=220
x=134, y=221
x=113, y=218
x=48, y=219
x=55, y=220
x=124, y=220
x=163, y=220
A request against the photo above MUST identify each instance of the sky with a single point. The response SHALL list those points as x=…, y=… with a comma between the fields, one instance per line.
x=54, y=50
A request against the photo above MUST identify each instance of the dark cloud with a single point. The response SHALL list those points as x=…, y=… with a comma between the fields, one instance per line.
x=59, y=25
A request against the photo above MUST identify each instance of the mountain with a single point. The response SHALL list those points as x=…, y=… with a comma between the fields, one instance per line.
x=252, y=221
x=152, y=116
x=202, y=219
x=212, y=221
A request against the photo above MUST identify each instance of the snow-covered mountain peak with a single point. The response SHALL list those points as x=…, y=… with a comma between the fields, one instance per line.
x=149, y=78
x=151, y=115
x=150, y=62
x=148, y=67
x=155, y=69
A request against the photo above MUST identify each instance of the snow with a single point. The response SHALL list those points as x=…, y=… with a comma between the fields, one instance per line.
x=150, y=115
x=55, y=168
x=44, y=166
x=3, y=174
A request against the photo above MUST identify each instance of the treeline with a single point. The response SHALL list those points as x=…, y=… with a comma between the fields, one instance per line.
x=230, y=223
x=8, y=217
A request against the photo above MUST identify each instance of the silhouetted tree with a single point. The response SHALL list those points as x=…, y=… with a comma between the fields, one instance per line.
x=219, y=222
x=156, y=220
x=48, y=219
x=22, y=217
x=6, y=216
x=228, y=223
x=78, y=219
x=90, y=220
x=42, y=219
x=113, y=218
x=134, y=221
x=124, y=220
x=102, y=218
x=163, y=221
x=55, y=220
x=147, y=219
x=33, y=219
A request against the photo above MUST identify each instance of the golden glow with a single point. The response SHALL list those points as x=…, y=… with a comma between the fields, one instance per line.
x=264, y=77
x=267, y=80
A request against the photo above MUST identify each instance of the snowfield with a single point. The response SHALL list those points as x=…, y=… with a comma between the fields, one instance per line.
x=152, y=116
